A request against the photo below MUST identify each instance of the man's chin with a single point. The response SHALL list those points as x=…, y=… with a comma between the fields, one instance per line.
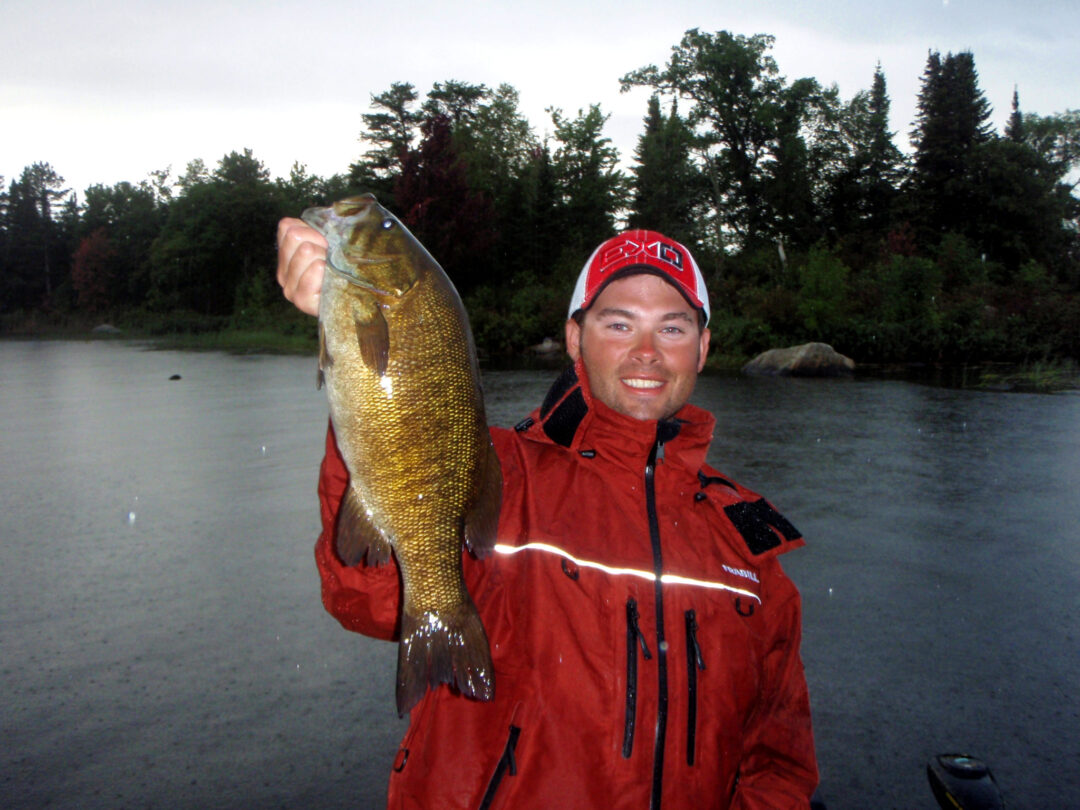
x=643, y=411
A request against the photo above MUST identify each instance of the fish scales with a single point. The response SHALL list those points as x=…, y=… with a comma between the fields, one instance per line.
x=399, y=366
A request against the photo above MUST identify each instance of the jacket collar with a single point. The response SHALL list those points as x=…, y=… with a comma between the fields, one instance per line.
x=570, y=417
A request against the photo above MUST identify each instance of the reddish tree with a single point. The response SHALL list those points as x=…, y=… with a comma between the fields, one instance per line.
x=433, y=195
x=91, y=271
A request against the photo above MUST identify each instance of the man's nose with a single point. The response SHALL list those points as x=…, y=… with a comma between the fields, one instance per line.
x=645, y=346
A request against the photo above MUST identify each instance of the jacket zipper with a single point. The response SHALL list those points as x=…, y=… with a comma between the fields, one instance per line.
x=694, y=662
x=506, y=763
x=634, y=637
x=661, y=645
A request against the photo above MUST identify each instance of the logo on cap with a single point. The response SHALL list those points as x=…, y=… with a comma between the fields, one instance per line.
x=630, y=249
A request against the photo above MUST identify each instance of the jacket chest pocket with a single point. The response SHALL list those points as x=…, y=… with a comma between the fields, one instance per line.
x=722, y=664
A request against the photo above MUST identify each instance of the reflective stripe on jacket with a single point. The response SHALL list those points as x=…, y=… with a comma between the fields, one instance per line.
x=644, y=637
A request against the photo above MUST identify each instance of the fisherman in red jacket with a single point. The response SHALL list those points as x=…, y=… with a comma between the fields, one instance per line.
x=644, y=637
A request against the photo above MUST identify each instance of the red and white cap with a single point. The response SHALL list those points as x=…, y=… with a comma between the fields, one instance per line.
x=640, y=251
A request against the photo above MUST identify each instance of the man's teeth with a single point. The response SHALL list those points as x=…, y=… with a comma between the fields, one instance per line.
x=636, y=383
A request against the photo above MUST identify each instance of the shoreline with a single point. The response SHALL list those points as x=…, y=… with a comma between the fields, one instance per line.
x=1038, y=376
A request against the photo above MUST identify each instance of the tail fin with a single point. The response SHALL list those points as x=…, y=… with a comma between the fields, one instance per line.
x=447, y=647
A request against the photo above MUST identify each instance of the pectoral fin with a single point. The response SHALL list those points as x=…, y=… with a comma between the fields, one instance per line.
x=357, y=537
x=325, y=360
x=373, y=335
x=482, y=522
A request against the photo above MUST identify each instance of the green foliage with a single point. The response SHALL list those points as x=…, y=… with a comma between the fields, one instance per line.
x=216, y=234
x=130, y=217
x=589, y=187
x=762, y=146
x=822, y=292
x=506, y=326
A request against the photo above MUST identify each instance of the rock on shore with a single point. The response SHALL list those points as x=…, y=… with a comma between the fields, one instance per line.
x=807, y=360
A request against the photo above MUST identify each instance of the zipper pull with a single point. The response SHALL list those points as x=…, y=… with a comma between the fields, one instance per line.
x=632, y=622
x=691, y=635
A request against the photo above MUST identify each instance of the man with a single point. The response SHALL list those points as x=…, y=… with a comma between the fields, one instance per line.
x=644, y=637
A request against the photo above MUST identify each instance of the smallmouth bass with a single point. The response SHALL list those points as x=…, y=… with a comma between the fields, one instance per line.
x=396, y=356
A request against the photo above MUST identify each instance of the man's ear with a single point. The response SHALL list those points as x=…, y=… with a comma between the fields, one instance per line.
x=573, y=339
x=703, y=349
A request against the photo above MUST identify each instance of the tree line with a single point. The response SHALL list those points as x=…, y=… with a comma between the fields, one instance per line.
x=808, y=221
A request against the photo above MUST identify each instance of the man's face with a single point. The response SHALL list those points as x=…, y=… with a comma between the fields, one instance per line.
x=641, y=347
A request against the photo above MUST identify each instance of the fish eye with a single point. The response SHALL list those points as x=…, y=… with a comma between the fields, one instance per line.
x=387, y=224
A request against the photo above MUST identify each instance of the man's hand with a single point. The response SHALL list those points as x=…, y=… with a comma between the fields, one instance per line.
x=301, y=263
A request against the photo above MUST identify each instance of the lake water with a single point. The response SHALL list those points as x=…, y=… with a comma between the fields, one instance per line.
x=163, y=642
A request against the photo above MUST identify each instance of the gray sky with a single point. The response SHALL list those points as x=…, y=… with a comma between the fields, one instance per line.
x=109, y=90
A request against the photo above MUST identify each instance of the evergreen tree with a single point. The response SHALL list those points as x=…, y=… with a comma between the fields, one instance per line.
x=667, y=186
x=1014, y=129
x=36, y=254
x=953, y=119
x=532, y=242
x=458, y=101
x=791, y=172
x=499, y=152
x=884, y=161
x=391, y=130
x=866, y=177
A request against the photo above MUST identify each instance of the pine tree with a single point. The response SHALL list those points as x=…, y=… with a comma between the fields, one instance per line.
x=666, y=184
x=1014, y=129
x=35, y=253
x=391, y=130
x=883, y=160
x=953, y=120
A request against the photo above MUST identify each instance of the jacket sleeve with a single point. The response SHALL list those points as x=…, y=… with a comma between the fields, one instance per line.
x=365, y=599
x=779, y=769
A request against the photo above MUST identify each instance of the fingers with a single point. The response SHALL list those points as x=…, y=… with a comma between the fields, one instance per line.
x=301, y=263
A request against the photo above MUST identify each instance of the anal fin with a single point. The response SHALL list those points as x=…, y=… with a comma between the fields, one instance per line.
x=358, y=539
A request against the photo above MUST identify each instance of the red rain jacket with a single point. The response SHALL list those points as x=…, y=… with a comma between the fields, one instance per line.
x=613, y=688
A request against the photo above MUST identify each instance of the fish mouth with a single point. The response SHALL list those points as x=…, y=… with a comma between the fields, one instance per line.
x=351, y=277
x=317, y=218
x=361, y=270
